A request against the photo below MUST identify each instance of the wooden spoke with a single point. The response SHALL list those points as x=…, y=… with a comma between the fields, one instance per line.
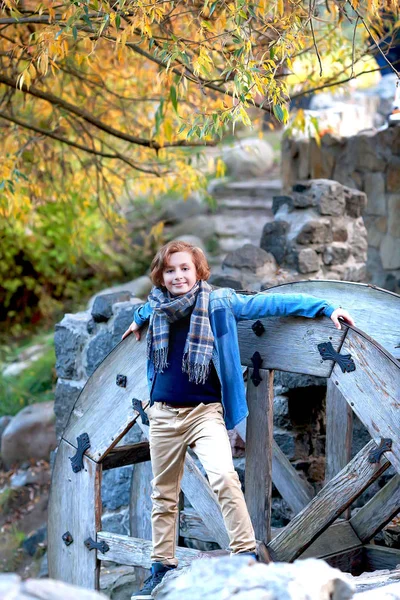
x=327, y=505
x=131, y=454
x=381, y=509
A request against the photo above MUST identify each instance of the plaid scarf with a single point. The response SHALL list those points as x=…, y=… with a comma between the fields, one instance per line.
x=200, y=340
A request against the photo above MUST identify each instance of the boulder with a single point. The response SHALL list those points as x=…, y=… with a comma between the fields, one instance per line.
x=223, y=280
x=139, y=287
x=97, y=350
x=274, y=239
x=356, y=202
x=66, y=394
x=35, y=541
x=244, y=579
x=11, y=586
x=69, y=338
x=191, y=239
x=336, y=254
x=248, y=158
x=4, y=421
x=308, y=260
x=102, y=308
x=249, y=263
x=374, y=187
x=29, y=435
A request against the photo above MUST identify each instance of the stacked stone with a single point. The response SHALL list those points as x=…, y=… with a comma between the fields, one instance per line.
x=319, y=232
x=370, y=163
x=82, y=341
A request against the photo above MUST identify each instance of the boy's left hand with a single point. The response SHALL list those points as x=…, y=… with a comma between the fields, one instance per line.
x=343, y=314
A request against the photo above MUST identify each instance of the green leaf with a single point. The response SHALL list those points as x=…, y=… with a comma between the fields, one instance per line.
x=278, y=112
x=212, y=8
x=74, y=33
x=118, y=21
x=174, y=98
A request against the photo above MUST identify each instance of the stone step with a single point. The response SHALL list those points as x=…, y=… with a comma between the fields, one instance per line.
x=255, y=188
x=245, y=203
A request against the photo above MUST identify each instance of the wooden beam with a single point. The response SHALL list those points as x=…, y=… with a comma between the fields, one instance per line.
x=379, y=511
x=258, y=474
x=191, y=526
x=283, y=337
x=104, y=409
x=339, y=537
x=327, y=505
x=339, y=431
x=74, y=507
x=136, y=552
x=378, y=558
x=361, y=300
x=131, y=454
x=372, y=390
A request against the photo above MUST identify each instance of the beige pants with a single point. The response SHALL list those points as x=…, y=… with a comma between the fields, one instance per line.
x=201, y=428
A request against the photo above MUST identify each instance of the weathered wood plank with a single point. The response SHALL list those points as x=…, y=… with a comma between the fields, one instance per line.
x=327, y=505
x=339, y=537
x=130, y=454
x=140, y=506
x=294, y=490
x=297, y=492
x=191, y=526
x=140, y=501
x=104, y=409
x=283, y=337
x=74, y=506
x=372, y=390
x=136, y=552
x=379, y=511
x=379, y=557
x=258, y=474
x=339, y=433
x=200, y=495
x=350, y=561
x=375, y=311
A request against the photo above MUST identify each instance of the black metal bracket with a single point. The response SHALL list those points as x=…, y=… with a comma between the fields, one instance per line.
x=77, y=459
x=345, y=362
x=258, y=328
x=137, y=405
x=92, y=545
x=67, y=538
x=375, y=455
x=121, y=380
x=257, y=362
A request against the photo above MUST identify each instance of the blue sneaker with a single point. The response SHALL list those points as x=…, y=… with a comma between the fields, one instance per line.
x=158, y=571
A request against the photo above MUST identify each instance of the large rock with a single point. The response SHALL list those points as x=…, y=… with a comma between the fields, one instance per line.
x=66, y=394
x=248, y=158
x=249, y=263
x=274, y=238
x=244, y=579
x=70, y=336
x=30, y=434
x=102, y=308
x=12, y=587
x=139, y=287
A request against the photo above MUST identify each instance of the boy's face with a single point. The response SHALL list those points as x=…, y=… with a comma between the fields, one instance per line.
x=179, y=275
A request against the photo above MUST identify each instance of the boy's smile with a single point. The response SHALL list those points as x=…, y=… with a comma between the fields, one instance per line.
x=179, y=275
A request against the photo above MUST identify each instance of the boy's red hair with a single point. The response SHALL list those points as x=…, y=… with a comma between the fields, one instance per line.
x=159, y=262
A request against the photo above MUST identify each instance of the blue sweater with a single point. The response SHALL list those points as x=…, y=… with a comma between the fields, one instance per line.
x=173, y=385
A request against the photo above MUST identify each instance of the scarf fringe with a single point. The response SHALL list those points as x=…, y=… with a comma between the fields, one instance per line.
x=160, y=357
x=197, y=373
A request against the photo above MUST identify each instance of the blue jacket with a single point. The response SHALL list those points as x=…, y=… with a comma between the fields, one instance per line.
x=226, y=307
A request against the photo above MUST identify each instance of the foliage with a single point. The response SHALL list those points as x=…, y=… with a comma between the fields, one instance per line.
x=104, y=101
x=32, y=385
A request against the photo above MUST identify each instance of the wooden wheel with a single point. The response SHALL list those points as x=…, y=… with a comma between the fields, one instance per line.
x=104, y=412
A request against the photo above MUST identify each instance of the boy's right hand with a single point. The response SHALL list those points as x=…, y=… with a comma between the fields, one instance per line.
x=133, y=328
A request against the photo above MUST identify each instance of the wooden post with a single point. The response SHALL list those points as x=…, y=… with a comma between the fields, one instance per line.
x=339, y=434
x=259, y=436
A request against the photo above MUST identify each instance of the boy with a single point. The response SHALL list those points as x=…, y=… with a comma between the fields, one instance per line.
x=196, y=388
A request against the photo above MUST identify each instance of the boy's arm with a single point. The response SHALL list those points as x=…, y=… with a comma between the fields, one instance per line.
x=279, y=305
x=140, y=316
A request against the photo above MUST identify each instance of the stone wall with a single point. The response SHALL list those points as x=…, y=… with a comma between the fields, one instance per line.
x=369, y=162
x=82, y=341
x=318, y=231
